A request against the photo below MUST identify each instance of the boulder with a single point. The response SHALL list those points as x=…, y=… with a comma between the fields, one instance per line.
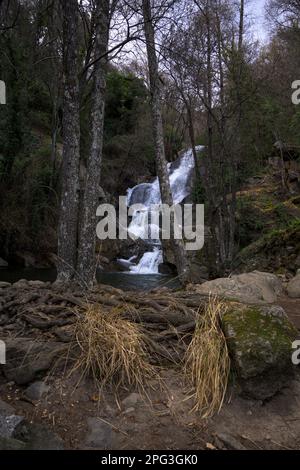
x=26, y=359
x=293, y=287
x=251, y=288
x=259, y=340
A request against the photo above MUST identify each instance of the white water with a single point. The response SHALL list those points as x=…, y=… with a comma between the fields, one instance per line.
x=180, y=174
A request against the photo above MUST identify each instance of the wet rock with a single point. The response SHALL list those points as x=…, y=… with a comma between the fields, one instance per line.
x=252, y=288
x=37, y=390
x=100, y=434
x=260, y=344
x=37, y=437
x=293, y=287
x=26, y=359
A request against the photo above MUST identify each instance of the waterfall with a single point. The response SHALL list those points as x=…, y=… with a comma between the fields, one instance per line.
x=180, y=174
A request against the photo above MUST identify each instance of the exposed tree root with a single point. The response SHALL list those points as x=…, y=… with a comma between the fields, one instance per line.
x=166, y=317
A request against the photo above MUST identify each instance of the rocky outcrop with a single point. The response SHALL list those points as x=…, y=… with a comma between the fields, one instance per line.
x=252, y=288
x=293, y=287
x=260, y=343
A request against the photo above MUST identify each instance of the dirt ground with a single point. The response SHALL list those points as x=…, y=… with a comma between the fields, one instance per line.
x=163, y=420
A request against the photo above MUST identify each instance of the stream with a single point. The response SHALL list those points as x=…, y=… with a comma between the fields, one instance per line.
x=121, y=280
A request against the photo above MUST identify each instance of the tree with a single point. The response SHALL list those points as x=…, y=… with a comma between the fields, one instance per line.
x=87, y=234
x=176, y=246
x=68, y=221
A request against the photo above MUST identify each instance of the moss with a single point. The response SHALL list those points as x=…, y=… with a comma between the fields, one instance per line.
x=258, y=339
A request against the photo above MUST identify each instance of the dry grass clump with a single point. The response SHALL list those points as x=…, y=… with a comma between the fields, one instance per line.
x=207, y=362
x=111, y=348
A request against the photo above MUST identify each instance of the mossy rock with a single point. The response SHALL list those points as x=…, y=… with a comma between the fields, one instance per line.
x=260, y=344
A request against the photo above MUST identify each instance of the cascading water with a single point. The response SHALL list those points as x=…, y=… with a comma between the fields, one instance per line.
x=180, y=174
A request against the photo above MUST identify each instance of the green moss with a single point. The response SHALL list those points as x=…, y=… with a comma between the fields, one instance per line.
x=258, y=339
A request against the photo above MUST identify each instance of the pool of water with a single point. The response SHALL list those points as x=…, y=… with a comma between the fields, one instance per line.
x=120, y=280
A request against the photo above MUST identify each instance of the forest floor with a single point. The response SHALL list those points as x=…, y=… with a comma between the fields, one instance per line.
x=162, y=416
x=163, y=420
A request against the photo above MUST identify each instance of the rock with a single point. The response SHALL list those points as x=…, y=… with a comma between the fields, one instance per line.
x=37, y=437
x=3, y=263
x=8, y=425
x=6, y=409
x=11, y=444
x=132, y=400
x=37, y=390
x=251, y=288
x=260, y=344
x=27, y=359
x=100, y=434
x=293, y=287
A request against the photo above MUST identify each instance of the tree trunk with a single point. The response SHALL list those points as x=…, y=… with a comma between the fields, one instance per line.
x=67, y=231
x=176, y=246
x=86, y=266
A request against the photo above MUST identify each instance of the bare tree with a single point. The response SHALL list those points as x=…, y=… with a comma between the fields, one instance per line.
x=87, y=233
x=68, y=223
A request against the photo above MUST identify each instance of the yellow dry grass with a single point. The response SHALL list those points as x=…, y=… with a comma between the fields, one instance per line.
x=207, y=363
x=112, y=348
